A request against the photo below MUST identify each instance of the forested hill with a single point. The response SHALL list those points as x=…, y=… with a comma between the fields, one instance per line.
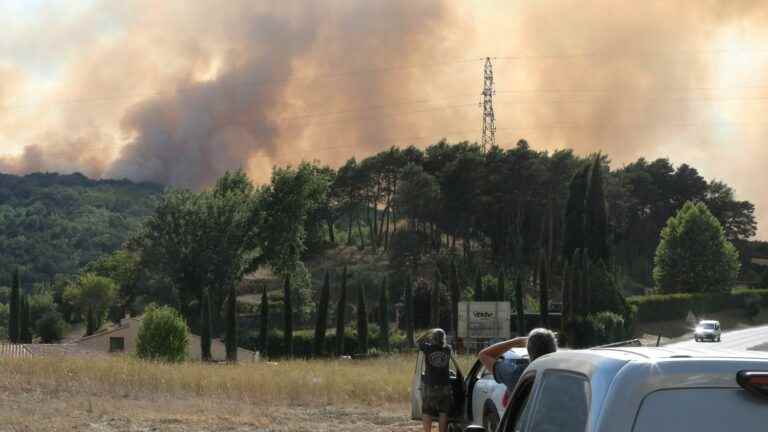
x=53, y=224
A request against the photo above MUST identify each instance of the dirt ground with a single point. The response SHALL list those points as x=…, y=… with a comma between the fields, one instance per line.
x=38, y=412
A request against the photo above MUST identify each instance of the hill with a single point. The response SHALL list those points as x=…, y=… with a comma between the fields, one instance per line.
x=52, y=224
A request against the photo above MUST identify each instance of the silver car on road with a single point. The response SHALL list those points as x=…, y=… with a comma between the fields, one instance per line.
x=640, y=390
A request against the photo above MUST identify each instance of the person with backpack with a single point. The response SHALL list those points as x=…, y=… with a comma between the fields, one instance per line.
x=436, y=392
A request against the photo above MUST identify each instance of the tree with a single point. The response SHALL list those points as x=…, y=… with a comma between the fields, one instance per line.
x=694, y=255
x=519, y=306
x=544, y=293
x=596, y=217
x=206, y=327
x=455, y=296
x=25, y=330
x=288, y=316
x=501, y=291
x=434, y=302
x=362, y=321
x=92, y=295
x=51, y=327
x=162, y=335
x=409, y=313
x=384, y=315
x=341, y=308
x=263, y=331
x=322, y=316
x=122, y=266
x=231, y=336
x=479, y=288
x=575, y=235
x=14, y=318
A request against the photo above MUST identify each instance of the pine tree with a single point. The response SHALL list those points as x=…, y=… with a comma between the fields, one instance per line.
x=340, y=311
x=263, y=333
x=288, y=315
x=14, y=318
x=384, y=315
x=455, y=297
x=231, y=335
x=409, y=313
x=596, y=220
x=574, y=235
x=434, y=303
x=206, y=326
x=322, y=316
x=479, y=288
x=519, y=307
x=362, y=321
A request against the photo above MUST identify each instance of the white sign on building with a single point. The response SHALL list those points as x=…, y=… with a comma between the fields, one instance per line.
x=484, y=320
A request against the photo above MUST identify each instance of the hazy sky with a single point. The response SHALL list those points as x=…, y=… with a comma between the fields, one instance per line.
x=179, y=91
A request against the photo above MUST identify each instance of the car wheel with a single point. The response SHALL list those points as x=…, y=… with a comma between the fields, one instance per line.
x=718, y=338
x=696, y=339
x=491, y=420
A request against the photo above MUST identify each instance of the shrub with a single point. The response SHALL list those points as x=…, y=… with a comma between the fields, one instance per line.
x=51, y=327
x=751, y=305
x=162, y=335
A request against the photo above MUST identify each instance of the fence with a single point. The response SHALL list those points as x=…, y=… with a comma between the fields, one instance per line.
x=14, y=350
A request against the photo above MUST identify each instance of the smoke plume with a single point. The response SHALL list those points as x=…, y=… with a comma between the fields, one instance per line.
x=178, y=92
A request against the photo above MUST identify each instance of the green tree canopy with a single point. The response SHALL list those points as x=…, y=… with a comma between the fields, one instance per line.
x=694, y=255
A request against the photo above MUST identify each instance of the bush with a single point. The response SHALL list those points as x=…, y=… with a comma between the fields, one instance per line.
x=51, y=327
x=162, y=335
x=751, y=305
x=668, y=307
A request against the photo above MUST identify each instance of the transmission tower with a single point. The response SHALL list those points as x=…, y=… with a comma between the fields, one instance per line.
x=489, y=119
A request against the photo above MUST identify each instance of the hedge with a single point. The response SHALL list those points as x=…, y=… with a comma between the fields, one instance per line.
x=303, y=342
x=597, y=329
x=668, y=307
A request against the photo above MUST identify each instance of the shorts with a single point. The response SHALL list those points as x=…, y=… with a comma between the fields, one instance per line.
x=436, y=400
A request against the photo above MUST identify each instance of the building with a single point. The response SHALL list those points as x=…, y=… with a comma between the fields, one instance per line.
x=121, y=339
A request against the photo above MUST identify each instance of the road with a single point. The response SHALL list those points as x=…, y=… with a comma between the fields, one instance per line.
x=733, y=340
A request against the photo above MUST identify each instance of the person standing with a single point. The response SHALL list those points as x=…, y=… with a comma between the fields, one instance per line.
x=436, y=391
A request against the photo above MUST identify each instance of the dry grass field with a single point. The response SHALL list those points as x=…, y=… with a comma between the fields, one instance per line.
x=122, y=394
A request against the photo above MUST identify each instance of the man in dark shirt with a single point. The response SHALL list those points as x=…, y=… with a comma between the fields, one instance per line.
x=508, y=370
x=436, y=391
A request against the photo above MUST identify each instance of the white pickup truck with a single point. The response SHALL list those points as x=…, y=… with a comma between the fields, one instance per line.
x=640, y=390
x=478, y=398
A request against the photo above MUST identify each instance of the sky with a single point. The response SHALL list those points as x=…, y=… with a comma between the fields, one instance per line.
x=179, y=92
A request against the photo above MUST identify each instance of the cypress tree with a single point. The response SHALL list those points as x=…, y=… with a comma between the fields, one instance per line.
x=519, y=306
x=288, y=312
x=362, y=321
x=455, y=297
x=322, y=316
x=409, y=330
x=25, y=332
x=206, y=329
x=231, y=335
x=434, y=303
x=14, y=317
x=574, y=235
x=544, y=293
x=263, y=333
x=501, y=289
x=90, y=321
x=479, y=288
x=384, y=315
x=340, y=311
x=596, y=216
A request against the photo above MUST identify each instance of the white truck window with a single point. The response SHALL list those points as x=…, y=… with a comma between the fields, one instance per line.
x=562, y=404
x=702, y=410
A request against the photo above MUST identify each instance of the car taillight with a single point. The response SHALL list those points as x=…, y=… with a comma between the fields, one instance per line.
x=755, y=382
x=505, y=399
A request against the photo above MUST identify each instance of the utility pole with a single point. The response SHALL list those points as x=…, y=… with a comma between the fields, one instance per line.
x=489, y=119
